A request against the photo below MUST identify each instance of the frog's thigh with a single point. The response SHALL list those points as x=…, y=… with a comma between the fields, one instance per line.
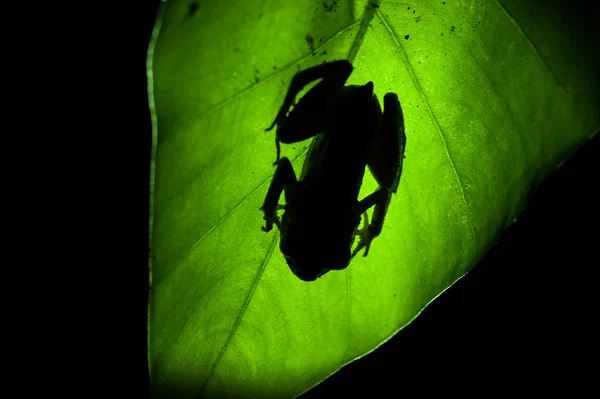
x=387, y=147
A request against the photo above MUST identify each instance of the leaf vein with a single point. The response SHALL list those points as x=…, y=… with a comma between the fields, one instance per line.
x=279, y=71
x=222, y=220
x=241, y=314
x=369, y=13
x=439, y=130
x=512, y=20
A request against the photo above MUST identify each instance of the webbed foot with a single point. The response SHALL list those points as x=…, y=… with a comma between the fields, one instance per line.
x=271, y=218
x=365, y=237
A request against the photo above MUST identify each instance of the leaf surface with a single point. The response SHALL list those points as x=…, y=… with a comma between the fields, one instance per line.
x=494, y=99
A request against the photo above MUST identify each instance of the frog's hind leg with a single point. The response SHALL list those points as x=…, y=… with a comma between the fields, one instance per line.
x=365, y=238
x=386, y=154
x=385, y=159
x=283, y=181
x=334, y=73
x=306, y=120
x=380, y=199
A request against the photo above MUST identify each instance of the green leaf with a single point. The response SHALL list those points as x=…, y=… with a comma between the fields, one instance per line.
x=495, y=96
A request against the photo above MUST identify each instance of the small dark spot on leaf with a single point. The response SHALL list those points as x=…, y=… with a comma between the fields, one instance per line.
x=409, y=8
x=193, y=8
x=394, y=295
x=406, y=37
x=414, y=11
x=311, y=42
x=443, y=2
x=324, y=52
x=418, y=19
x=274, y=66
x=332, y=7
x=442, y=34
x=236, y=49
x=374, y=5
x=452, y=28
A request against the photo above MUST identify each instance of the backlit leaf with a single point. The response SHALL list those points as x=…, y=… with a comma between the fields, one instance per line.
x=495, y=96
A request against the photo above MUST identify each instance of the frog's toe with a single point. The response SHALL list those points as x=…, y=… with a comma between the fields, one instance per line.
x=365, y=237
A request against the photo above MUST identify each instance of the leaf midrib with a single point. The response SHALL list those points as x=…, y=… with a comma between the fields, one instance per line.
x=241, y=313
x=439, y=130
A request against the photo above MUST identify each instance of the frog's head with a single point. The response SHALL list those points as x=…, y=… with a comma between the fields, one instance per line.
x=312, y=252
x=309, y=266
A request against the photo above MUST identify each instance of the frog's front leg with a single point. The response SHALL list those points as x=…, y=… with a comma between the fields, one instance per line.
x=380, y=199
x=284, y=179
x=386, y=157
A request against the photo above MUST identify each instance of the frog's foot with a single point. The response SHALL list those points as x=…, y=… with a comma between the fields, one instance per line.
x=365, y=237
x=282, y=114
x=271, y=218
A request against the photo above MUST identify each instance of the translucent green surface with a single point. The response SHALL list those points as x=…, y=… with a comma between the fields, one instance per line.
x=495, y=96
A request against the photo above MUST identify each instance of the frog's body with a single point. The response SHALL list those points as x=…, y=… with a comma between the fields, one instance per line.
x=322, y=210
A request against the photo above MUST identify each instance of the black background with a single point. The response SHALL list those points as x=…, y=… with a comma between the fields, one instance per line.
x=523, y=320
